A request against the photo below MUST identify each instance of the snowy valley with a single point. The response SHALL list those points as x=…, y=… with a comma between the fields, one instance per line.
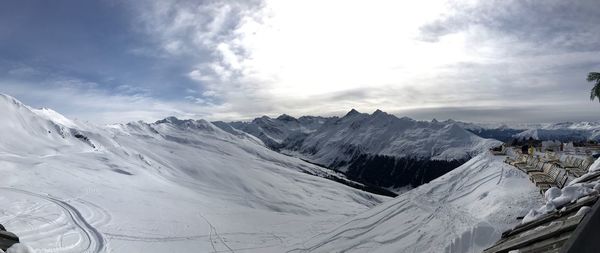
x=264, y=126
x=376, y=149
x=194, y=186
x=170, y=186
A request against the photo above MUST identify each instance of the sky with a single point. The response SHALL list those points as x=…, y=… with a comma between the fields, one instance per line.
x=111, y=61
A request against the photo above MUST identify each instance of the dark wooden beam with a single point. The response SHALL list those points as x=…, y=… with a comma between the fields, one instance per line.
x=585, y=237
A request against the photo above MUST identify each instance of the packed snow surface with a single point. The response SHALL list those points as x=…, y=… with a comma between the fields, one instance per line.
x=190, y=186
x=19, y=248
x=465, y=210
x=170, y=186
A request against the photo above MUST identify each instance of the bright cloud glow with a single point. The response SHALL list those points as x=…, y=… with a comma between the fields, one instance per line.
x=307, y=48
x=300, y=56
x=229, y=60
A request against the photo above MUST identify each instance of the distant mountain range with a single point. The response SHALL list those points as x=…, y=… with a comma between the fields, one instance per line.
x=375, y=149
x=169, y=186
x=383, y=150
x=563, y=131
x=178, y=185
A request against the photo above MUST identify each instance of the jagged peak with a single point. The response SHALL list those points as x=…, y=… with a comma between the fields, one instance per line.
x=405, y=118
x=285, y=117
x=187, y=123
x=450, y=121
x=456, y=130
x=176, y=121
x=352, y=112
x=382, y=113
x=264, y=118
x=170, y=119
x=132, y=123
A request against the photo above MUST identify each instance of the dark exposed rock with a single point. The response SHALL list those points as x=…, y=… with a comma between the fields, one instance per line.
x=7, y=239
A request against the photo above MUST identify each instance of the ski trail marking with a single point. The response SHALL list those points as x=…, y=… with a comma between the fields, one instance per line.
x=97, y=242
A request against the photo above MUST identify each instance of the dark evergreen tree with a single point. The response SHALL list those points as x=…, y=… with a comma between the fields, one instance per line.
x=594, y=77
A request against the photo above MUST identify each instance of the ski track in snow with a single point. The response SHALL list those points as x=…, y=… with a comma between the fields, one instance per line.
x=95, y=241
x=445, y=204
x=213, y=229
x=144, y=185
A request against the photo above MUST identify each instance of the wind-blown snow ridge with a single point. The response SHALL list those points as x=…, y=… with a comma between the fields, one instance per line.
x=169, y=186
x=463, y=211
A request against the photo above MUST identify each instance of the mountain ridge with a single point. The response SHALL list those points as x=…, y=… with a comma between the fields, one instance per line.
x=177, y=178
x=358, y=142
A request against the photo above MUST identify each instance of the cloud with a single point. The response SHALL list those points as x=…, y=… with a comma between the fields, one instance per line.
x=548, y=25
x=95, y=105
x=231, y=60
x=269, y=57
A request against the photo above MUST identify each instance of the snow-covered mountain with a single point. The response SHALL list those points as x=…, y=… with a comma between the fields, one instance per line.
x=273, y=132
x=385, y=134
x=169, y=186
x=497, y=131
x=193, y=186
x=463, y=211
x=564, y=131
x=378, y=149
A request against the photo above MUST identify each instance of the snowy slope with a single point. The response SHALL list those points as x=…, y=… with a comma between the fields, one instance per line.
x=23, y=130
x=376, y=149
x=498, y=131
x=273, y=132
x=170, y=186
x=465, y=210
x=383, y=150
x=54, y=116
x=385, y=134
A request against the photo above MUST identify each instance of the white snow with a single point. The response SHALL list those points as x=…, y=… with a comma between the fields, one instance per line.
x=465, y=210
x=330, y=140
x=557, y=198
x=384, y=134
x=595, y=166
x=275, y=131
x=562, y=131
x=54, y=116
x=529, y=133
x=171, y=186
x=20, y=248
x=576, y=189
x=189, y=186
